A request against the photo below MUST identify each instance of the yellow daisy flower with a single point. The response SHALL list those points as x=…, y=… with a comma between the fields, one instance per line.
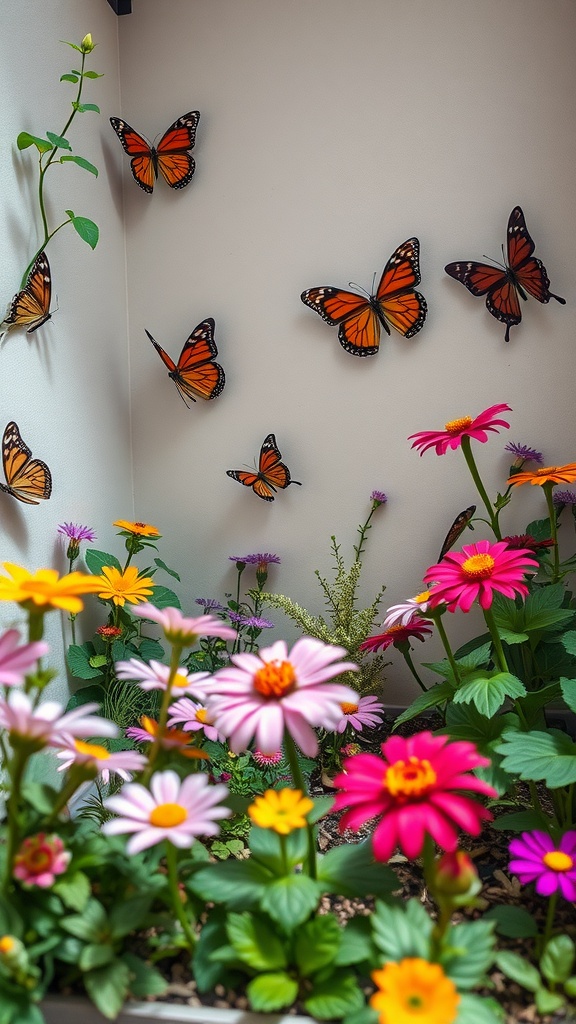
x=546, y=474
x=120, y=587
x=281, y=809
x=45, y=589
x=140, y=529
x=414, y=991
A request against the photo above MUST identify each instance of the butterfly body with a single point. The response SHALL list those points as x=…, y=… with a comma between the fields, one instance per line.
x=170, y=157
x=195, y=373
x=396, y=304
x=522, y=275
x=30, y=307
x=27, y=479
x=272, y=474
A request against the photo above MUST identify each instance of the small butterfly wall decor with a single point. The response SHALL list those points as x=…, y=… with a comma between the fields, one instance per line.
x=504, y=286
x=195, y=373
x=30, y=307
x=170, y=157
x=359, y=317
x=272, y=474
x=27, y=479
x=458, y=526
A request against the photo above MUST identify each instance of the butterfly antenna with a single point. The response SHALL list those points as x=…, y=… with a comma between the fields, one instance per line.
x=352, y=284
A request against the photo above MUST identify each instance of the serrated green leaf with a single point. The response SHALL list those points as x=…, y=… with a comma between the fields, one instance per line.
x=108, y=987
x=163, y=597
x=270, y=992
x=514, y=922
x=568, y=641
x=550, y=756
x=290, y=900
x=149, y=649
x=511, y=638
x=519, y=970
x=464, y=722
x=96, y=560
x=87, y=229
x=568, y=687
x=58, y=141
x=25, y=140
x=558, y=959
x=98, y=661
x=317, y=943
x=469, y=950
x=351, y=870
x=334, y=997
x=488, y=693
x=145, y=980
x=85, y=164
x=401, y=932
x=475, y=1010
x=255, y=942
x=78, y=661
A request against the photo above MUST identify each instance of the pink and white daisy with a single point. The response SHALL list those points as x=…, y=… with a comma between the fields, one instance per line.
x=401, y=614
x=98, y=760
x=193, y=717
x=184, y=631
x=455, y=430
x=16, y=658
x=172, y=809
x=477, y=572
x=155, y=676
x=171, y=739
x=46, y=725
x=260, y=696
x=40, y=859
x=365, y=711
x=398, y=636
x=414, y=789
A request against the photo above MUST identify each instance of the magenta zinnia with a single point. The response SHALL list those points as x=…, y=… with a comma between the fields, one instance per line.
x=455, y=430
x=398, y=635
x=414, y=789
x=477, y=572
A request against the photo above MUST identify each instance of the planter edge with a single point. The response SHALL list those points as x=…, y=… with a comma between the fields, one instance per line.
x=72, y=1010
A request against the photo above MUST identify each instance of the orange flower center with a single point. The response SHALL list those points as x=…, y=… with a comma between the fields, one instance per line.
x=202, y=715
x=478, y=567
x=180, y=681
x=546, y=470
x=349, y=709
x=37, y=859
x=410, y=778
x=456, y=426
x=557, y=860
x=168, y=815
x=92, y=750
x=423, y=597
x=149, y=725
x=6, y=944
x=275, y=679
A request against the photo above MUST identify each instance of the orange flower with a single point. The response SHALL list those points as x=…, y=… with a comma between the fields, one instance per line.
x=120, y=587
x=546, y=474
x=140, y=529
x=45, y=590
x=414, y=991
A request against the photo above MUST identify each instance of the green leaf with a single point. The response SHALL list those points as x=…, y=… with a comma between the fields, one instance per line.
x=488, y=693
x=269, y=992
x=78, y=661
x=208, y=972
x=69, y=78
x=58, y=141
x=317, y=944
x=469, y=950
x=149, y=649
x=290, y=900
x=163, y=597
x=127, y=916
x=86, y=695
x=401, y=932
x=25, y=140
x=238, y=884
x=96, y=560
x=85, y=164
x=83, y=107
x=568, y=687
x=334, y=997
x=436, y=695
x=351, y=870
x=519, y=970
x=558, y=959
x=356, y=942
x=535, y=700
x=41, y=797
x=162, y=565
x=95, y=956
x=90, y=925
x=108, y=987
x=74, y=891
x=88, y=232
x=547, y=1002
x=550, y=756
x=570, y=986
x=514, y=922
x=92, y=74
x=255, y=942
x=475, y=1010
x=145, y=980
x=520, y=821
x=266, y=848
x=511, y=638
x=568, y=641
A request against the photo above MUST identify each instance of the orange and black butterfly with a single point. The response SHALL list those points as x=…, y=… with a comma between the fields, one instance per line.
x=458, y=526
x=195, y=373
x=396, y=304
x=272, y=475
x=27, y=479
x=31, y=307
x=170, y=157
x=503, y=286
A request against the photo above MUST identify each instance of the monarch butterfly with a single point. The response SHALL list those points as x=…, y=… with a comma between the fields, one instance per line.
x=31, y=307
x=395, y=303
x=503, y=286
x=195, y=373
x=272, y=474
x=26, y=479
x=170, y=156
x=458, y=526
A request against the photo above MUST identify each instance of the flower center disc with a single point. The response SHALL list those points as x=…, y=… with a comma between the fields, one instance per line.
x=92, y=750
x=455, y=426
x=557, y=860
x=202, y=715
x=168, y=815
x=349, y=709
x=275, y=679
x=546, y=470
x=478, y=567
x=411, y=778
x=180, y=681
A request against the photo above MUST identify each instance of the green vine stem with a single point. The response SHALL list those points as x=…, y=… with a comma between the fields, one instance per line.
x=547, y=488
x=172, y=865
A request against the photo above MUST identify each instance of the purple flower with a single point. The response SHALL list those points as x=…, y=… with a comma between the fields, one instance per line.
x=251, y=620
x=210, y=604
x=379, y=497
x=257, y=559
x=76, y=532
x=552, y=866
x=564, y=497
x=523, y=452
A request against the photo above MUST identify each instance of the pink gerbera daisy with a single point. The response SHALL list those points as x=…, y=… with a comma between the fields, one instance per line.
x=184, y=631
x=260, y=696
x=552, y=866
x=46, y=725
x=398, y=635
x=172, y=809
x=401, y=614
x=155, y=676
x=455, y=430
x=365, y=711
x=193, y=717
x=477, y=571
x=16, y=659
x=413, y=790
x=96, y=759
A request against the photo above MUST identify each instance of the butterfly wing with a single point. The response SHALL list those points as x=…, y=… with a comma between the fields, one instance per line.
x=496, y=283
x=458, y=526
x=528, y=272
x=397, y=302
x=196, y=372
x=259, y=486
x=174, y=162
x=163, y=355
x=27, y=479
x=142, y=163
x=31, y=307
x=359, y=331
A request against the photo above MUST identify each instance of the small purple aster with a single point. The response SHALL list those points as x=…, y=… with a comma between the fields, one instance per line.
x=564, y=497
x=255, y=621
x=523, y=452
x=76, y=532
x=257, y=559
x=379, y=497
x=210, y=604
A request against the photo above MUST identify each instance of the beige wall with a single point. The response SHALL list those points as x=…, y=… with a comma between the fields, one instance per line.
x=330, y=132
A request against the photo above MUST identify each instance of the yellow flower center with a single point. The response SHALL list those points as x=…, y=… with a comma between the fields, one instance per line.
x=202, y=715
x=92, y=750
x=545, y=470
x=275, y=679
x=411, y=778
x=37, y=859
x=423, y=597
x=168, y=815
x=180, y=681
x=6, y=944
x=149, y=725
x=557, y=860
x=478, y=567
x=456, y=426
x=349, y=709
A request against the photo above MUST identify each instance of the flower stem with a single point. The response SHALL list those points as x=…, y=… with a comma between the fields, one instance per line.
x=172, y=865
x=298, y=779
x=436, y=615
x=547, y=488
x=498, y=649
x=163, y=717
x=551, y=912
x=467, y=451
x=16, y=772
x=363, y=530
x=408, y=659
